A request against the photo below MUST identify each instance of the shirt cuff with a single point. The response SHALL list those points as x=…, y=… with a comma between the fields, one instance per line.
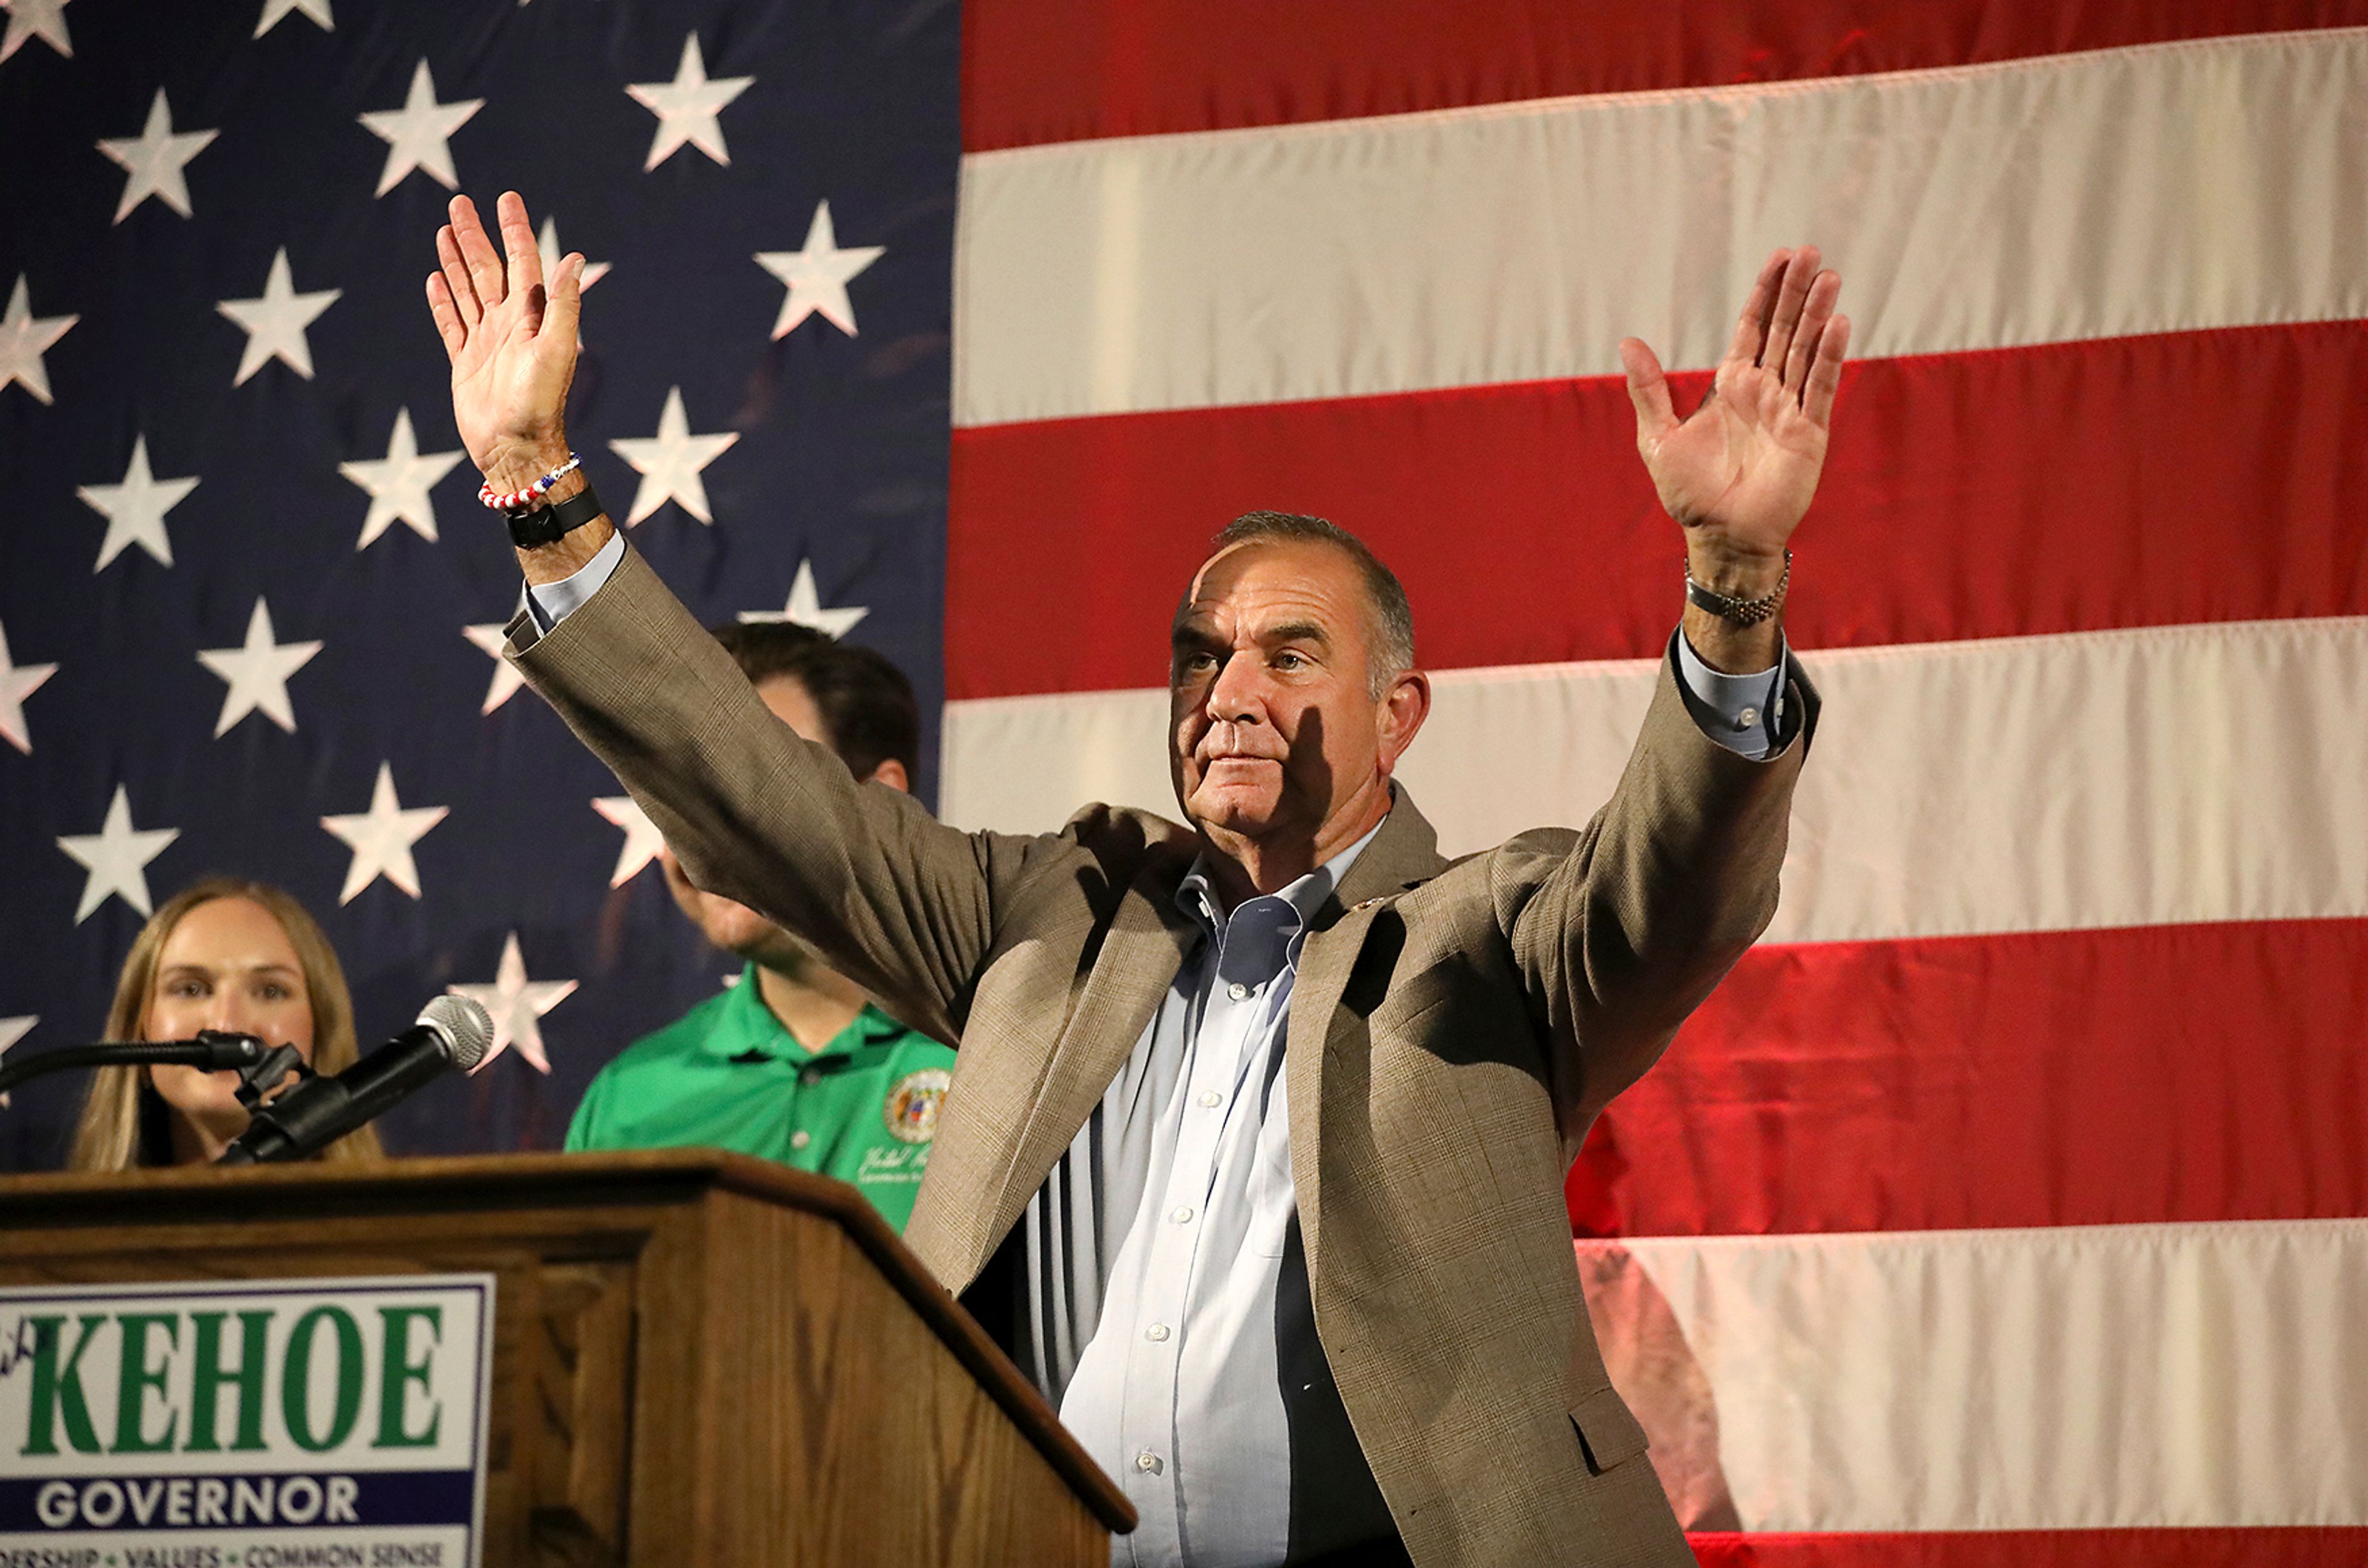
x=1743, y=713
x=552, y=603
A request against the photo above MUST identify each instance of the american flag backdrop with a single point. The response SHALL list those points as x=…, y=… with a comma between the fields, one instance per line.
x=2005, y=1207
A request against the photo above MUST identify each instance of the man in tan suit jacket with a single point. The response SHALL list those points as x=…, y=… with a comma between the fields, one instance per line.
x=1451, y=1029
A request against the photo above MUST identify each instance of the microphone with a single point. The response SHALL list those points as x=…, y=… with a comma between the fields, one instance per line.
x=452, y=1031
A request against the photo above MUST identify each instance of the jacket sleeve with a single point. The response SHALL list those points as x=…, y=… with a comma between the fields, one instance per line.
x=1619, y=935
x=896, y=900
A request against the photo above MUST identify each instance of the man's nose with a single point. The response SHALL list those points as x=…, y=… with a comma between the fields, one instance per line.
x=1235, y=695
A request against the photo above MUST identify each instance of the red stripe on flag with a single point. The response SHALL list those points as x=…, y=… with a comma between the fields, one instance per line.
x=2329, y=1547
x=1070, y=70
x=2175, y=1073
x=2188, y=477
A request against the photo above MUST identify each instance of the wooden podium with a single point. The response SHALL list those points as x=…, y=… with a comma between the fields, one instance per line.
x=698, y=1359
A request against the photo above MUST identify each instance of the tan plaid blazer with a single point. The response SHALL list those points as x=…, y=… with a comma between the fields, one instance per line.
x=1454, y=1029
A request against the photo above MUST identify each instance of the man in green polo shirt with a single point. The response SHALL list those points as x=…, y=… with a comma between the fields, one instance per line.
x=794, y=1062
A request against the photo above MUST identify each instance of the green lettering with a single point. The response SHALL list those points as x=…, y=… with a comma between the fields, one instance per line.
x=57, y=1391
x=399, y=1371
x=135, y=1378
x=207, y=1378
x=296, y=1378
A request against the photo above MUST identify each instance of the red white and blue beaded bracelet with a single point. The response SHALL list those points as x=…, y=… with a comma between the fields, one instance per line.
x=519, y=500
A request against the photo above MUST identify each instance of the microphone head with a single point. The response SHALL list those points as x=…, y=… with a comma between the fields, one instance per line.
x=464, y=1025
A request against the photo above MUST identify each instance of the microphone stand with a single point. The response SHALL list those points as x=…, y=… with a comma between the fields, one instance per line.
x=262, y=1076
x=213, y=1051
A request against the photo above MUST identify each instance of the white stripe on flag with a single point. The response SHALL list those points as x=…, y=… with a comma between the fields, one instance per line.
x=2151, y=776
x=2144, y=190
x=2076, y=1377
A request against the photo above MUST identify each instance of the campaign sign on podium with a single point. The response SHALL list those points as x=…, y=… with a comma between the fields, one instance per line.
x=252, y=1425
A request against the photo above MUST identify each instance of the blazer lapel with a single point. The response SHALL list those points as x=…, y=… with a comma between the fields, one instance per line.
x=1324, y=963
x=1146, y=945
x=1403, y=855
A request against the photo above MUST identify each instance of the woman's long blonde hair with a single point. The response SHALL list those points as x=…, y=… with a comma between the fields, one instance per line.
x=125, y=1122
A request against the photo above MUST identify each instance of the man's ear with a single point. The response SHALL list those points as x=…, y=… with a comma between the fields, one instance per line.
x=890, y=772
x=1404, y=707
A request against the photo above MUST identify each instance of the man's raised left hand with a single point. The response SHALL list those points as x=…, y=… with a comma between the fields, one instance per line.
x=1739, y=474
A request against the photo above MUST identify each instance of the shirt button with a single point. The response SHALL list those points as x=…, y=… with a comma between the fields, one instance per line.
x=1212, y=1100
x=1237, y=991
x=801, y=1137
x=1747, y=718
x=1181, y=1214
x=1147, y=1462
x=810, y=1077
x=1156, y=1333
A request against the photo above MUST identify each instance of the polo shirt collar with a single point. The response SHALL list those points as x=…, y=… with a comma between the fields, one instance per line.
x=748, y=1026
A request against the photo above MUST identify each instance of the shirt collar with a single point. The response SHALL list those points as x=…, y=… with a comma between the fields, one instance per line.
x=747, y=1025
x=1263, y=934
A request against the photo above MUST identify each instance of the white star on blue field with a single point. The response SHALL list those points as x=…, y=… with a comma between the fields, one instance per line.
x=252, y=613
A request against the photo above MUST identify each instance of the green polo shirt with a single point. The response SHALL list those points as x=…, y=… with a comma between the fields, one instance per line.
x=727, y=1075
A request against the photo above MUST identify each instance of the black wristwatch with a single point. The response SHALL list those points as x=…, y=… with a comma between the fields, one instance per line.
x=545, y=525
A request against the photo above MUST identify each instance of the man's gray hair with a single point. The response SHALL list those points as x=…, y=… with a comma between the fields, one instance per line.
x=1392, y=617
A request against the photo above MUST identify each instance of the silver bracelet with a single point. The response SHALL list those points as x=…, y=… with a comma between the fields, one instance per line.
x=1743, y=612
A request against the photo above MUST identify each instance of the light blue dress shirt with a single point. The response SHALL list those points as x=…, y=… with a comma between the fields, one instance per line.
x=1167, y=1313
x=1167, y=1293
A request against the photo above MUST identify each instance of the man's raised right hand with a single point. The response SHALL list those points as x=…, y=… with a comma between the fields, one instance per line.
x=512, y=342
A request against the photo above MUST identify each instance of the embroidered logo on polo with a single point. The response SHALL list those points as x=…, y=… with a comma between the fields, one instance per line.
x=912, y=1109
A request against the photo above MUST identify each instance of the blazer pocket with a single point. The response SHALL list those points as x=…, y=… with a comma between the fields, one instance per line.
x=1607, y=1434
x=1426, y=993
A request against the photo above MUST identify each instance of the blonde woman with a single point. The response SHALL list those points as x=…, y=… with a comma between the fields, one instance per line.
x=225, y=954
